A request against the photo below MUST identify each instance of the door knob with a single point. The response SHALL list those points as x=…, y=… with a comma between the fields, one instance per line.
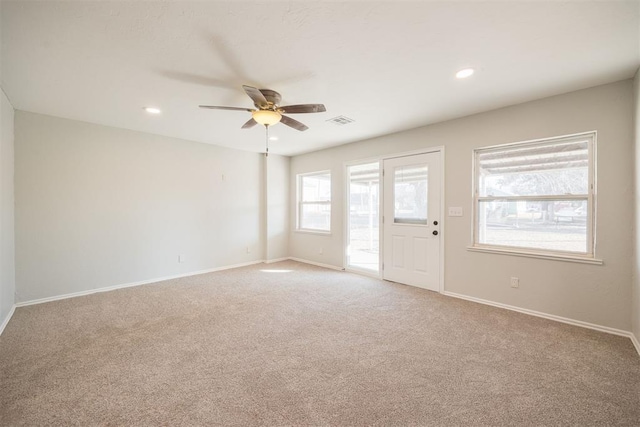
x=435, y=232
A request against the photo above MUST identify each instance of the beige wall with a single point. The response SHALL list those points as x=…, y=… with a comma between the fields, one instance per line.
x=635, y=299
x=277, y=193
x=597, y=294
x=99, y=206
x=7, y=249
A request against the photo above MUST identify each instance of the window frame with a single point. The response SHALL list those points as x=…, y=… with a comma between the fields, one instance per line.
x=300, y=203
x=587, y=257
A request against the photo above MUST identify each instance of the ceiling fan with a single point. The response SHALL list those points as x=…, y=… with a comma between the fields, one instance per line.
x=268, y=111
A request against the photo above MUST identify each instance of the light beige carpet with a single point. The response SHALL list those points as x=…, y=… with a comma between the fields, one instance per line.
x=308, y=346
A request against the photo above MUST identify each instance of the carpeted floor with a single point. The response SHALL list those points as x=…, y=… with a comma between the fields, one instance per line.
x=305, y=346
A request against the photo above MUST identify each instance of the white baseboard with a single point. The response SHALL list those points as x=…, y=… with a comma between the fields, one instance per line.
x=129, y=285
x=271, y=261
x=635, y=342
x=319, y=264
x=580, y=323
x=6, y=319
x=561, y=319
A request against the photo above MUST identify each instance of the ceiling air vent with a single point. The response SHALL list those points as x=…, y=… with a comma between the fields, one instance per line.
x=340, y=120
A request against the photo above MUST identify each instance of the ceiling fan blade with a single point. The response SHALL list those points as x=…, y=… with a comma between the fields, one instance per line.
x=293, y=123
x=215, y=107
x=251, y=123
x=257, y=96
x=303, y=108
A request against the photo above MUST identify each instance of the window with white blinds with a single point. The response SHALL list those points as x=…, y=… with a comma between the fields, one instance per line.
x=537, y=196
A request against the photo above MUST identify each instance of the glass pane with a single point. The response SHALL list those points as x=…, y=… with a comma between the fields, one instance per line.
x=555, y=225
x=316, y=216
x=410, y=194
x=364, y=200
x=550, y=168
x=316, y=188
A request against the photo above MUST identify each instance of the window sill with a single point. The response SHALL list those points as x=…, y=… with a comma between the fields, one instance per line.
x=553, y=257
x=316, y=232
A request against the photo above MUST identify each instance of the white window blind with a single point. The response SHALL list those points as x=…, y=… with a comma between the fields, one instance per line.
x=537, y=195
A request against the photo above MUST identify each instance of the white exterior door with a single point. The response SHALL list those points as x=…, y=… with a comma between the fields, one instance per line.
x=411, y=220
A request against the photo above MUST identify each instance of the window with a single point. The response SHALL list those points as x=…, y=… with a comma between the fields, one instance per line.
x=410, y=194
x=536, y=197
x=314, y=201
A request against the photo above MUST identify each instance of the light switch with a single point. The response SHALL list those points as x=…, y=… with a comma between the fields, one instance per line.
x=455, y=211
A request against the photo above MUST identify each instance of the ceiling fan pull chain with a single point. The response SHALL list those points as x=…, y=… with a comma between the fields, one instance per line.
x=266, y=154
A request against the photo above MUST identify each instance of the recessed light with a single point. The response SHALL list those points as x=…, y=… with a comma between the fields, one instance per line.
x=463, y=74
x=273, y=138
x=152, y=110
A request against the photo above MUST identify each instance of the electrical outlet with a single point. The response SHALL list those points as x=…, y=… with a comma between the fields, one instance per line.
x=180, y=259
x=248, y=250
x=515, y=282
x=321, y=251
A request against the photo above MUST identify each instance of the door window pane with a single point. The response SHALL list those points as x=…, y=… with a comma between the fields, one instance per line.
x=410, y=194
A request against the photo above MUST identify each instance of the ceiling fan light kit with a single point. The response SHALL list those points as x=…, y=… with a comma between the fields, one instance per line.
x=266, y=117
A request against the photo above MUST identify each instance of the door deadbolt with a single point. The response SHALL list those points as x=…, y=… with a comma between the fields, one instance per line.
x=435, y=222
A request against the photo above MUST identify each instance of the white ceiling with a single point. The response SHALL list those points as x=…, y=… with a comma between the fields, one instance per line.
x=388, y=65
